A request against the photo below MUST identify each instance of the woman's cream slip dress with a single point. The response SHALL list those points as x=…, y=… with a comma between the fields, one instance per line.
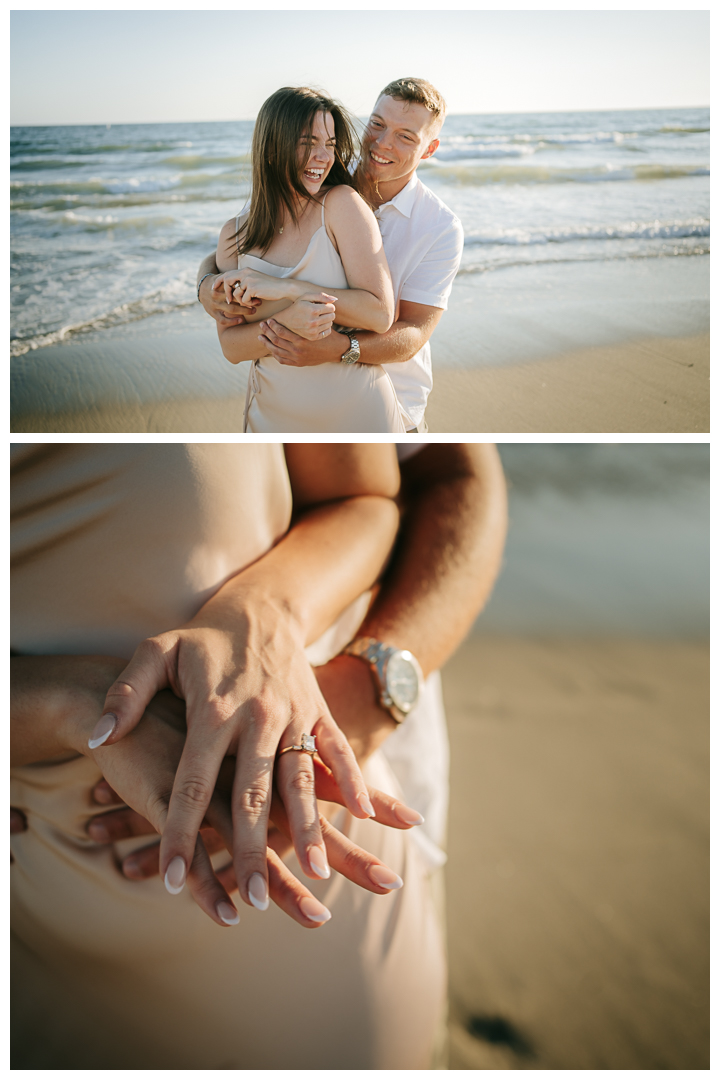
x=325, y=397
x=113, y=543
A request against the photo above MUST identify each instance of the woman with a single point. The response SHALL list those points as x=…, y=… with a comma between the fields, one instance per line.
x=112, y=544
x=307, y=226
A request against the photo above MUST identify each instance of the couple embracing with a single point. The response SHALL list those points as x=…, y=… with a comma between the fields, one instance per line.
x=333, y=279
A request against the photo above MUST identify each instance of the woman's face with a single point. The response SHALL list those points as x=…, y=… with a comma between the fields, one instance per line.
x=322, y=154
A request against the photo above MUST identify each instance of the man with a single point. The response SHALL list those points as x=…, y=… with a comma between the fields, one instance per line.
x=423, y=242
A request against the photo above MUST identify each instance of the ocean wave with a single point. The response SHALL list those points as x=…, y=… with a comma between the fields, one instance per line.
x=98, y=185
x=480, y=150
x=472, y=175
x=632, y=230
x=581, y=257
x=678, y=129
x=109, y=222
x=196, y=161
x=234, y=192
x=175, y=295
x=589, y=137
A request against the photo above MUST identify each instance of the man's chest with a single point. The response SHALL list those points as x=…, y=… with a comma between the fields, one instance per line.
x=406, y=243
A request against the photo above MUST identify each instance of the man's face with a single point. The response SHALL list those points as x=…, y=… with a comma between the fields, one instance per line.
x=399, y=134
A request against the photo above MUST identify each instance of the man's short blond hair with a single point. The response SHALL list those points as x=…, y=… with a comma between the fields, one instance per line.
x=421, y=92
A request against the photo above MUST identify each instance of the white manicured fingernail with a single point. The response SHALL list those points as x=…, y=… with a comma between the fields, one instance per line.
x=258, y=892
x=313, y=909
x=175, y=875
x=385, y=877
x=102, y=730
x=318, y=861
x=408, y=816
x=227, y=913
x=366, y=805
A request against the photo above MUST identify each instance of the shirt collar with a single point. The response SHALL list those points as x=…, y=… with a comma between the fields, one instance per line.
x=405, y=199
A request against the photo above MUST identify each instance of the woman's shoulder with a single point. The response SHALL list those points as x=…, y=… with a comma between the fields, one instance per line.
x=343, y=199
x=343, y=195
x=228, y=239
x=232, y=225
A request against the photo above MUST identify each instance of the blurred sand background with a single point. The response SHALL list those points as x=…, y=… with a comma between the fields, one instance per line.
x=578, y=877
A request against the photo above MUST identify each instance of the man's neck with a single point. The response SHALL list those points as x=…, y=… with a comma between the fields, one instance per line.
x=378, y=193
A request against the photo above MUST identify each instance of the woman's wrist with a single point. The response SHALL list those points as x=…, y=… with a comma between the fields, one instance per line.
x=246, y=604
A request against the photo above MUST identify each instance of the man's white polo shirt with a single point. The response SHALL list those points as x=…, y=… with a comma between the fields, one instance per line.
x=423, y=242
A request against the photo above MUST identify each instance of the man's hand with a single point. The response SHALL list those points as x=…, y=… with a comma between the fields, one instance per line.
x=289, y=348
x=215, y=304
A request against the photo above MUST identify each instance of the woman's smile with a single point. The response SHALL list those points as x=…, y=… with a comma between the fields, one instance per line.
x=322, y=155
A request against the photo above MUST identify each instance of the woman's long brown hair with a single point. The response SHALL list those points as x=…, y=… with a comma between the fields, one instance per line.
x=284, y=118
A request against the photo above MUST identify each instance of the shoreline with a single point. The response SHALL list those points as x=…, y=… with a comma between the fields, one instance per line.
x=167, y=374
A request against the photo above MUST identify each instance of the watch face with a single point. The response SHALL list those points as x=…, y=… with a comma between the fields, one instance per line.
x=402, y=682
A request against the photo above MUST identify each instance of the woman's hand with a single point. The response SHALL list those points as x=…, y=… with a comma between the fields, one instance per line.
x=250, y=692
x=228, y=282
x=347, y=858
x=311, y=316
x=249, y=284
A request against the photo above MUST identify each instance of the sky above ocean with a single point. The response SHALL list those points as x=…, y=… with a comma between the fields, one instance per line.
x=75, y=67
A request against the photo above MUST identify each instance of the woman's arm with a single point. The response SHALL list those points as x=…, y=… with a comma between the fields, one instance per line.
x=368, y=302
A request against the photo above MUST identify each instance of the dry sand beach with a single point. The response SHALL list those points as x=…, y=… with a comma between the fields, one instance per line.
x=650, y=384
x=578, y=877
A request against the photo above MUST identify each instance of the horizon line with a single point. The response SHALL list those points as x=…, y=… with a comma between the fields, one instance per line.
x=248, y=120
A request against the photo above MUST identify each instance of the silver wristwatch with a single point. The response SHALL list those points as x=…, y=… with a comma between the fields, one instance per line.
x=353, y=354
x=398, y=675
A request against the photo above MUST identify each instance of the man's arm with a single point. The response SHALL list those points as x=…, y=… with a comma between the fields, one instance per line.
x=448, y=554
x=445, y=563
x=213, y=300
x=405, y=338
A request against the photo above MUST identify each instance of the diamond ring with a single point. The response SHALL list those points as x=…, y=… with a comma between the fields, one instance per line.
x=307, y=745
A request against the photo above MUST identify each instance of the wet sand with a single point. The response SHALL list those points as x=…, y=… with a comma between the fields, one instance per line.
x=167, y=374
x=652, y=384
x=578, y=876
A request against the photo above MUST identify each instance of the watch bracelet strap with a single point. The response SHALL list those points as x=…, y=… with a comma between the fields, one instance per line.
x=368, y=648
x=353, y=344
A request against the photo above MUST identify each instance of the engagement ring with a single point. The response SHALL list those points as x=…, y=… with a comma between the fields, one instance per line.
x=307, y=745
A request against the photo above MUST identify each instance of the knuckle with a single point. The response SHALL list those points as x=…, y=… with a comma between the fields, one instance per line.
x=217, y=713
x=343, y=753
x=254, y=798
x=252, y=854
x=301, y=782
x=193, y=792
x=152, y=649
x=156, y=808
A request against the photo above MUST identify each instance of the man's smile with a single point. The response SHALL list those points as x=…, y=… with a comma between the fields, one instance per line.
x=380, y=160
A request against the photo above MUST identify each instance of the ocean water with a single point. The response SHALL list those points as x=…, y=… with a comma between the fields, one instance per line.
x=605, y=539
x=109, y=223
